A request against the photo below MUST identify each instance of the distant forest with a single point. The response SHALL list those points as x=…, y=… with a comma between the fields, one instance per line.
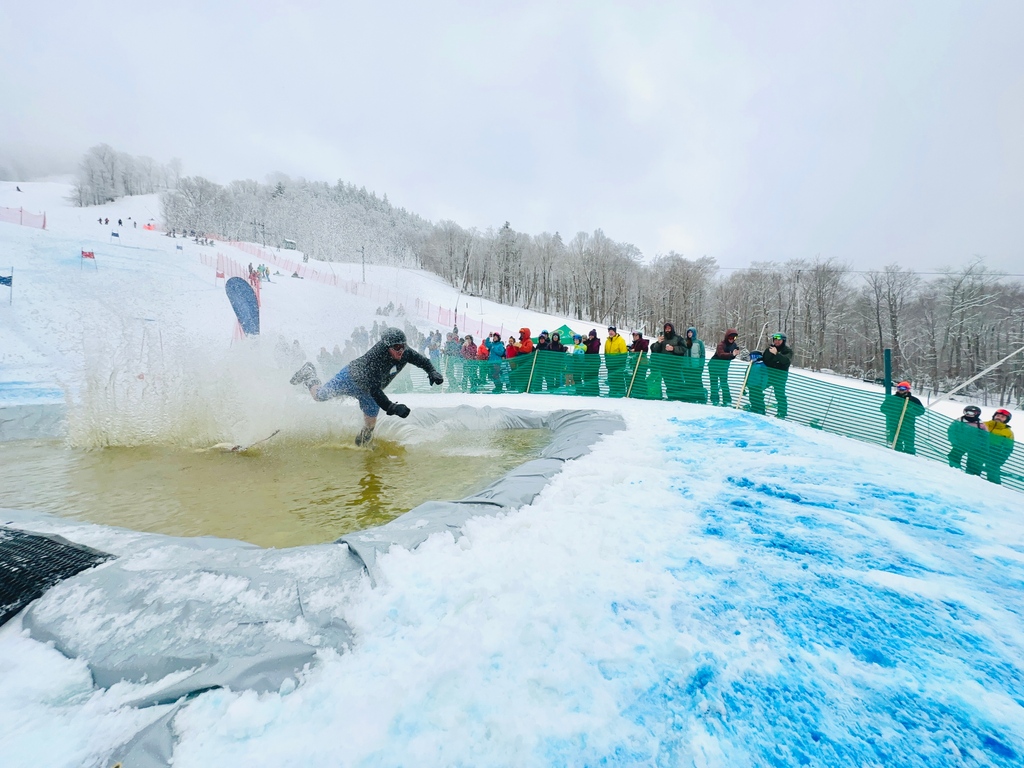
x=943, y=328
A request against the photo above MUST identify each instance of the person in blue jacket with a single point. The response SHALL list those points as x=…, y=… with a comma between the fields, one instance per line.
x=757, y=380
x=496, y=357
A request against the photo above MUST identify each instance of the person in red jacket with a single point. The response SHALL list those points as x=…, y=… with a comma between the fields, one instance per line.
x=471, y=371
x=718, y=367
x=637, y=369
x=520, y=369
x=524, y=345
x=590, y=365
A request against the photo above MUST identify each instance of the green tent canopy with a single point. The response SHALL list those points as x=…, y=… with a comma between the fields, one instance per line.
x=565, y=333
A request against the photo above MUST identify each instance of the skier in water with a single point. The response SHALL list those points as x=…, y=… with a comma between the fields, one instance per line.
x=365, y=378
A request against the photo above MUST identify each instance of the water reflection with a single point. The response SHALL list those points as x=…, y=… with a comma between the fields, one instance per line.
x=287, y=494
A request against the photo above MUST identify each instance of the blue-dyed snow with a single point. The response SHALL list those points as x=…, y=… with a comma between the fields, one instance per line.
x=808, y=660
x=29, y=392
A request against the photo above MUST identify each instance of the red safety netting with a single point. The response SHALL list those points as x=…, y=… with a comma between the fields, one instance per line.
x=425, y=309
x=23, y=217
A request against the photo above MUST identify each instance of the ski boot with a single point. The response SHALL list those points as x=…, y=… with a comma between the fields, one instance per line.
x=306, y=376
x=365, y=435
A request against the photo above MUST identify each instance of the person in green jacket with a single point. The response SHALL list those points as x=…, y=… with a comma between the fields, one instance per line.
x=778, y=357
x=901, y=411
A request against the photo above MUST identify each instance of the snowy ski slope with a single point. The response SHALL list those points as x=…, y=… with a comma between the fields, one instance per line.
x=706, y=588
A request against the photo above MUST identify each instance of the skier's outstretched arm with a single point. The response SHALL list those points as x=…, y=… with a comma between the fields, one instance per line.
x=420, y=361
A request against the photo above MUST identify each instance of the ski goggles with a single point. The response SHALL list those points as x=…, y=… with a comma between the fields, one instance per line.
x=902, y=389
x=398, y=347
x=778, y=337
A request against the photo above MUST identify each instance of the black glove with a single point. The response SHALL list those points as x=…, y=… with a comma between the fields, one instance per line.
x=399, y=410
x=435, y=377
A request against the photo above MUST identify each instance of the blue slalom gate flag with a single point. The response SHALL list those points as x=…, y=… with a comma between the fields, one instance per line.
x=8, y=281
x=179, y=248
x=114, y=234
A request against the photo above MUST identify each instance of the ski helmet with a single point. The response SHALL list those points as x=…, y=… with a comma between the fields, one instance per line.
x=903, y=385
x=755, y=356
x=1002, y=412
x=393, y=336
x=972, y=410
x=779, y=336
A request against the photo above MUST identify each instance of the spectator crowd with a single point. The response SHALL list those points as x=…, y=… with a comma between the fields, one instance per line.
x=672, y=366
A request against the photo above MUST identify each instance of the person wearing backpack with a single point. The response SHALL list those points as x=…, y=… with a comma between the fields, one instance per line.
x=968, y=436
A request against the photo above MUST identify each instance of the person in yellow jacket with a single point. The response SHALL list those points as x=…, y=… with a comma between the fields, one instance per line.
x=615, y=361
x=1000, y=445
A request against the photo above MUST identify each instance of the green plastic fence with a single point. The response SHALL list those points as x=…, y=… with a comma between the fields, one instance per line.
x=841, y=410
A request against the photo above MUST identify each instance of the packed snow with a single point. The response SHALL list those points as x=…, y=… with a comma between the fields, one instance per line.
x=707, y=587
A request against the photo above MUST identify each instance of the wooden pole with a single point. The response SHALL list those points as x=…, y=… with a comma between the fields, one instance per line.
x=636, y=368
x=532, y=367
x=899, y=426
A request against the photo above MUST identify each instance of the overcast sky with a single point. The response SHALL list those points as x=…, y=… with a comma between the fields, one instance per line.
x=871, y=132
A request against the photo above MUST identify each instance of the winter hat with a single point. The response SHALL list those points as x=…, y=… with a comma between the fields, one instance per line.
x=393, y=336
x=543, y=333
x=593, y=332
x=1002, y=412
x=577, y=338
x=637, y=333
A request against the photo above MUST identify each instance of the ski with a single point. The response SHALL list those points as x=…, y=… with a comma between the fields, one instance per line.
x=244, y=448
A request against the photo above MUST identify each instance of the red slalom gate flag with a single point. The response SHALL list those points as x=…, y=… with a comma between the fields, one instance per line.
x=88, y=255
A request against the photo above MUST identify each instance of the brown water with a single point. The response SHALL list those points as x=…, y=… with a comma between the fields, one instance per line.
x=280, y=495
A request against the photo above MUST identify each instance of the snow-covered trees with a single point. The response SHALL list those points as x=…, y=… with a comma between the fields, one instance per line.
x=942, y=330
x=329, y=223
x=104, y=175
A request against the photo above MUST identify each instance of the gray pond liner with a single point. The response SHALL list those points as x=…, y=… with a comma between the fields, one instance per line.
x=214, y=613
